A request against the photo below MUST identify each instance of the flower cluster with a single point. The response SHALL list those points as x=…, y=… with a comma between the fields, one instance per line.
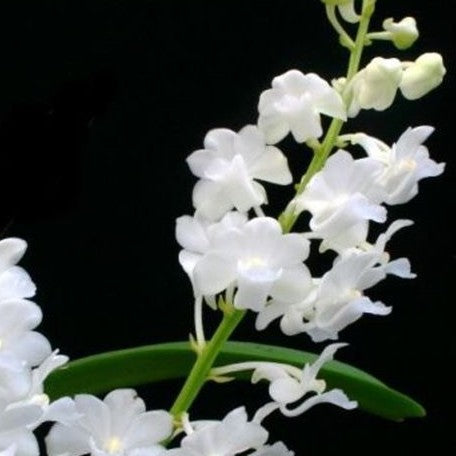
x=238, y=259
x=26, y=358
x=263, y=268
x=237, y=256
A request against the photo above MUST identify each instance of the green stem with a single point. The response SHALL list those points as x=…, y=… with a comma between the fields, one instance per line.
x=201, y=369
x=288, y=217
x=344, y=37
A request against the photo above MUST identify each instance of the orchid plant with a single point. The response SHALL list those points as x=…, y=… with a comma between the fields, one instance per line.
x=241, y=260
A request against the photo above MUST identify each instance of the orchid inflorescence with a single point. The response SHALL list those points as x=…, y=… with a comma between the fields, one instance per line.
x=238, y=259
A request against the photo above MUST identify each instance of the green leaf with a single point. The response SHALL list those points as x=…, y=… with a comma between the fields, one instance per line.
x=138, y=366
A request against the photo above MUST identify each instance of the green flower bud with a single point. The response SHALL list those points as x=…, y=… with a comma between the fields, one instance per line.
x=403, y=33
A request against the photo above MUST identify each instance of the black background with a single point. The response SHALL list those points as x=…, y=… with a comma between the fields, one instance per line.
x=100, y=103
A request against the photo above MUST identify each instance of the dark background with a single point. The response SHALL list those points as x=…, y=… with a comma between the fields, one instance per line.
x=100, y=103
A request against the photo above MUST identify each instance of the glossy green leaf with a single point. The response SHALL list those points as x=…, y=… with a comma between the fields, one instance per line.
x=138, y=366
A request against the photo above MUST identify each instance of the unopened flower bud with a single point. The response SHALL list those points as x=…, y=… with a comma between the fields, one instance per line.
x=403, y=33
x=375, y=86
x=424, y=75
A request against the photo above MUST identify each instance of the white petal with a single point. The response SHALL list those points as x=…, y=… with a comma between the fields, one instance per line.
x=199, y=161
x=238, y=187
x=155, y=450
x=293, y=285
x=274, y=127
x=20, y=416
x=149, y=429
x=326, y=355
x=213, y=274
x=16, y=283
x=124, y=405
x=32, y=347
x=400, y=268
x=335, y=396
x=272, y=166
x=285, y=390
x=307, y=125
x=188, y=261
x=191, y=234
x=24, y=440
x=221, y=141
x=294, y=249
x=11, y=251
x=18, y=316
x=253, y=291
x=96, y=417
x=15, y=378
x=62, y=410
x=52, y=362
x=274, y=309
x=10, y=451
x=278, y=449
x=210, y=199
x=292, y=322
x=268, y=371
x=63, y=440
x=348, y=314
x=238, y=434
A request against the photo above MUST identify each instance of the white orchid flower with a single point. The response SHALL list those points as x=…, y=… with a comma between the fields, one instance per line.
x=228, y=168
x=405, y=163
x=294, y=104
x=259, y=260
x=341, y=200
x=233, y=435
x=375, y=86
x=118, y=426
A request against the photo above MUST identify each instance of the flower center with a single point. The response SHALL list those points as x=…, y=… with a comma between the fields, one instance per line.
x=408, y=164
x=252, y=263
x=113, y=445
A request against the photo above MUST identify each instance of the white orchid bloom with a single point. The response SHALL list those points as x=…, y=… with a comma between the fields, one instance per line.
x=14, y=281
x=341, y=200
x=119, y=426
x=18, y=319
x=228, y=168
x=336, y=301
x=289, y=385
x=259, y=260
x=294, y=104
x=422, y=76
x=233, y=435
x=403, y=33
x=405, y=163
x=339, y=300
x=375, y=86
